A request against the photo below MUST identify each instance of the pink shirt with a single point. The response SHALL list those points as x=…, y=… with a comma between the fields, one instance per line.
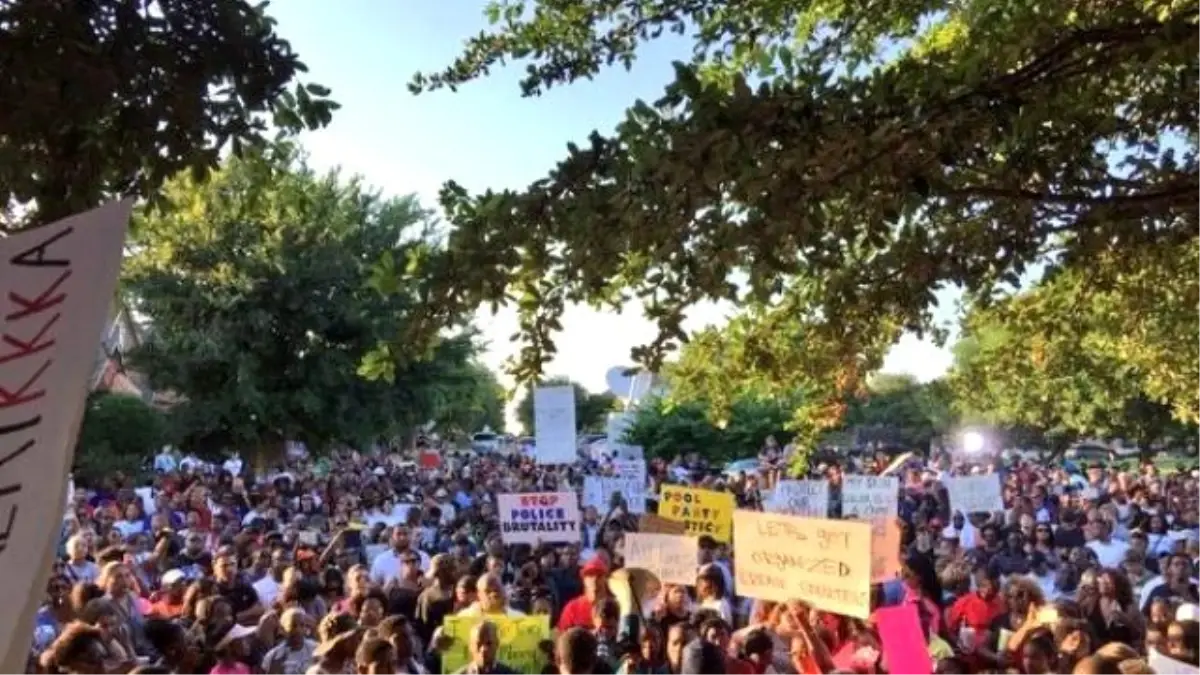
x=238, y=668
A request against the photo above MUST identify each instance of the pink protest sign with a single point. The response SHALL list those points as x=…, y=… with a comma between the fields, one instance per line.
x=905, y=649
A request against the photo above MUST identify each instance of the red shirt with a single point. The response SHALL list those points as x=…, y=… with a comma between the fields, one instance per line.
x=972, y=610
x=577, y=613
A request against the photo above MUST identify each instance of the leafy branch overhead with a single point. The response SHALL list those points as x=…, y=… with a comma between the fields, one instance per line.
x=117, y=96
x=846, y=160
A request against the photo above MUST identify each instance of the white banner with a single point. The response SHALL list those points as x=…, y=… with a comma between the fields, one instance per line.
x=870, y=497
x=672, y=558
x=546, y=517
x=56, y=290
x=598, y=490
x=808, y=498
x=554, y=425
x=975, y=494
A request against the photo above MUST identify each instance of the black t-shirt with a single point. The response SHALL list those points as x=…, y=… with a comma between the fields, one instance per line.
x=240, y=595
x=1069, y=539
x=403, y=601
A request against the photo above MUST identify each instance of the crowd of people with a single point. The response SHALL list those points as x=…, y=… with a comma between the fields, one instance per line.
x=360, y=563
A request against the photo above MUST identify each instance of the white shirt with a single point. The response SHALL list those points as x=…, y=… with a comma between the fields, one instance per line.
x=1111, y=554
x=267, y=589
x=164, y=463
x=387, y=566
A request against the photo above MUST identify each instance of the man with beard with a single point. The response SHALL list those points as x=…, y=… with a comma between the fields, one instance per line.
x=193, y=560
x=390, y=565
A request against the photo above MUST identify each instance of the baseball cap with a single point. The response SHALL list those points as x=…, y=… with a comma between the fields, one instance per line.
x=1188, y=611
x=173, y=577
x=594, y=568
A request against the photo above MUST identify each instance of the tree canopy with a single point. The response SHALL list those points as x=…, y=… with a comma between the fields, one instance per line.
x=591, y=410
x=665, y=429
x=259, y=284
x=119, y=433
x=117, y=96
x=1105, y=351
x=829, y=166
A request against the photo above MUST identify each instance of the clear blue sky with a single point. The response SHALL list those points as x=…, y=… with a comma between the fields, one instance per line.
x=484, y=136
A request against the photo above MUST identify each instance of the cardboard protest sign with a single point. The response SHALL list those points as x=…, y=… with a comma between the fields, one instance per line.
x=671, y=558
x=547, y=517
x=632, y=469
x=56, y=289
x=808, y=498
x=975, y=494
x=554, y=425
x=519, y=638
x=649, y=522
x=702, y=511
x=823, y=562
x=870, y=497
x=885, y=549
x=904, y=647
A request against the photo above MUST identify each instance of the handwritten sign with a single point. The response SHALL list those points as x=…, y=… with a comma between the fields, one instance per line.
x=670, y=557
x=56, y=289
x=885, y=549
x=808, y=498
x=598, y=491
x=823, y=562
x=648, y=522
x=541, y=516
x=704, y=512
x=633, y=469
x=870, y=497
x=518, y=641
x=554, y=425
x=975, y=494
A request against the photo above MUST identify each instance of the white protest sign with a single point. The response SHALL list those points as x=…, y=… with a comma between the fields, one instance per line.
x=618, y=423
x=56, y=289
x=672, y=558
x=975, y=494
x=598, y=490
x=548, y=517
x=554, y=425
x=1165, y=665
x=633, y=469
x=809, y=498
x=870, y=497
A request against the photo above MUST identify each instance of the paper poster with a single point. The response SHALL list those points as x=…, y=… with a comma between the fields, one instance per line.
x=519, y=639
x=649, y=522
x=704, y=512
x=1165, y=665
x=823, y=562
x=554, y=425
x=633, y=469
x=870, y=497
x=975, y=494
x=808, y=498
x=672, y=558
x=56, y=289
x=598, y=490
x=546, y=517
x=905, y=649
x=885, y=549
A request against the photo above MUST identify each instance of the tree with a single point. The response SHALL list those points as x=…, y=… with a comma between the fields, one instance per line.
x=260, y=289
x=882, y=153
x=898, y=410
x=477, y=401
x=119, y=433
x=591, y=410
x=665, y=429
x=1070, y=357
x=128, y=93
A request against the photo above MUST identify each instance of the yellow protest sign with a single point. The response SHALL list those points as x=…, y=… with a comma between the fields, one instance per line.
x=826, y=563
x=702, y=511
x=519, y=638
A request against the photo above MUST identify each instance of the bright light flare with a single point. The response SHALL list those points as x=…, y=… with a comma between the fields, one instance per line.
x=973, y=442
